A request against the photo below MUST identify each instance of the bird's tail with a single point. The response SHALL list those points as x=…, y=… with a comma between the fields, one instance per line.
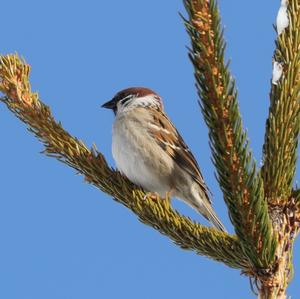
x=205, y=208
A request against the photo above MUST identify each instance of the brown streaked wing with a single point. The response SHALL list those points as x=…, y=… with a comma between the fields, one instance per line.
x=171, y=141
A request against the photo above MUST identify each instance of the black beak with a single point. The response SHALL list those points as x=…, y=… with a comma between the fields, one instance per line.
x=112, y=104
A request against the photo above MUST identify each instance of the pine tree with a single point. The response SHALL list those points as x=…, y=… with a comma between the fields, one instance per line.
x=263, y=206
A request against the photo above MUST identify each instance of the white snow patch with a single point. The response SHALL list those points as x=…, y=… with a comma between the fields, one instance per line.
x=277, y=72
x=282, y=20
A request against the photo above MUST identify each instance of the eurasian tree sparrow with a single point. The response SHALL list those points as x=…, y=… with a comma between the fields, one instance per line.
x=150, y=152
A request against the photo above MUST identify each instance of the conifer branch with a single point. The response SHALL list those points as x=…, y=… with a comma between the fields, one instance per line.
x=241, y=185
x=296, y=194
x=295, y=197
x=282, y=127
x=14, y=83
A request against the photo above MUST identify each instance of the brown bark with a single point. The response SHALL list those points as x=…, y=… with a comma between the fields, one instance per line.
x=274, y=282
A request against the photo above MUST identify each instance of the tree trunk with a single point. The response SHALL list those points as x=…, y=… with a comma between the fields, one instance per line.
x=273, y=283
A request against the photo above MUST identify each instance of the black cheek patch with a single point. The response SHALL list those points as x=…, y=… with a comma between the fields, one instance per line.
x=123, y=102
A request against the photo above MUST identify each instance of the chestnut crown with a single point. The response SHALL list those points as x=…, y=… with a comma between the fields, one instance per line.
x=134, y=97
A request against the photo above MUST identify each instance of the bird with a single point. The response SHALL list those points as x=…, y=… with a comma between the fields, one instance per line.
x=150, y=152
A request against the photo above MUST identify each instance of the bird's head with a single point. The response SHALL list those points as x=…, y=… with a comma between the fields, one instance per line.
x=134, y=97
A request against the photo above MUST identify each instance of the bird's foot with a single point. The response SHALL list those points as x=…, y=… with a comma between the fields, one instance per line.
x=154, y=195
x=151, y=195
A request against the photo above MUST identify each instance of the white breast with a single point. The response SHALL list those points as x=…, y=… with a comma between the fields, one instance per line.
x=136, y=156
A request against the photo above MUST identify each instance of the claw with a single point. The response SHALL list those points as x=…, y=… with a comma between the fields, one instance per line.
x=154, y=195
x=151, y=195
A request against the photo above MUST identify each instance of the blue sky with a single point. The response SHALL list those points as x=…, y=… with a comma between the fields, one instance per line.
x=64, y=239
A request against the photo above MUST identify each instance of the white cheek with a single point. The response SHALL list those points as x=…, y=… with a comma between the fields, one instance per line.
x=146, y=101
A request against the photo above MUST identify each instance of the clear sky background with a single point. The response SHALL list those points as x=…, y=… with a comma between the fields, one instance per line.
x=63, y=239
